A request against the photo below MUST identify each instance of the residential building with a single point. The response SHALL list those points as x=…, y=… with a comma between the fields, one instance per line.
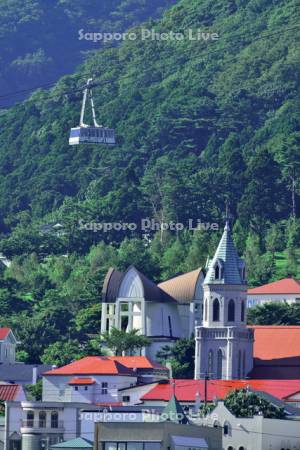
x=8, y=343
x=224, y=344
x=254, y=433
x=286, y=290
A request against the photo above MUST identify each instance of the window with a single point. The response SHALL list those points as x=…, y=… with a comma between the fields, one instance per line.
x=243, y=312
x=54, y=419
x=220, y=364
x=76, y=388
x=15, y=444
x=217, y=272
x=30, y=419
x=231, y=311
x=239, y=364
x=244, y=364
x=210, y=363
x=242, y=448
x=227, y=429
x=104, y=387
x=205, y=309
x=216, y=310
x=42, y=419
x=126, y=398
x=86, y=388
x=230, y=447
x=170, y=326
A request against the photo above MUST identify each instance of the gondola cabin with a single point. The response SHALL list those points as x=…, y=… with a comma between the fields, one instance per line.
x=92, y=135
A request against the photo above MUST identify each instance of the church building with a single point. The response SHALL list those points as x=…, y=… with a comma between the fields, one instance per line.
x=164, y=312
x=224, y=344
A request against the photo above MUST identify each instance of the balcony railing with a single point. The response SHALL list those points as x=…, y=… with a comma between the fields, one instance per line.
x=42, y=424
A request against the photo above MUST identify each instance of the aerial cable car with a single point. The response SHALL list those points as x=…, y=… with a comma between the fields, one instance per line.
x=85, y=134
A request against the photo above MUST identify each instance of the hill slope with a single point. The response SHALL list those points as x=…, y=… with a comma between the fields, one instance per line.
x=39, y=39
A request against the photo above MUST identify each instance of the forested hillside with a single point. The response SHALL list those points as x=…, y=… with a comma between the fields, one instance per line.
x=198, y=123
x=39, y=39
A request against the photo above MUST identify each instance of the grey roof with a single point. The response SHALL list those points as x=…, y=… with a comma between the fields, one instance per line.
x=173, y=412
x=111, y=285
x=75, y=443
x=186, y=441
x=114, y=279
x=21, y=373
x=227, y=257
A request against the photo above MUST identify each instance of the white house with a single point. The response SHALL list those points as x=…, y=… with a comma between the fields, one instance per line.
x=8, y=344
x=163, y=312
x=286, y=290
x=254, y=433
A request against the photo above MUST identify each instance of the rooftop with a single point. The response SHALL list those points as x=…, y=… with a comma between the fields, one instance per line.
x=284, y=286
x=182, y=287
x=9, y=392
x=106, y=365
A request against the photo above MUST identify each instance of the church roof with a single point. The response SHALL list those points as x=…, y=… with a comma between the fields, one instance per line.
x=182, y=287
x=111, y=285
x=227, y=257
x=113, y=281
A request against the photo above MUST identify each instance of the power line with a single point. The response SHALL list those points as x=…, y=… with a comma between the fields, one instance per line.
x=88, y=74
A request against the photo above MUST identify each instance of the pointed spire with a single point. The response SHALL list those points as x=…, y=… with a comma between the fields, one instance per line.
x=173, y=412
x=226, y=266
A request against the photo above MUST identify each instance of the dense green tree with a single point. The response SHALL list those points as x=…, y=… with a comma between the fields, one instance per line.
x=244, y=403
x=119, y=341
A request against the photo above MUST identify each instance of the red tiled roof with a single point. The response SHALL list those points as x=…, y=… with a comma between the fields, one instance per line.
x=93, y=365
x=277, y=342
x=186, y=390
x=137, y=362
x=3, y=333
x=9, y=392
x=284, y=286
x=82, y=381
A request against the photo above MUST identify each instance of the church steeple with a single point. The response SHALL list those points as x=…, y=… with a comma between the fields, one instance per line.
x=226, y=267
x=224, y=345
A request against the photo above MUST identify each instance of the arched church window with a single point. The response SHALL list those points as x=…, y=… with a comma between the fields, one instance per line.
x=210, y=363
x=239, y=365
x=231, y=311
x=216, y=310
x=244, y=364
x=243, y=312
x=217, y=272
x=219, y=364
x=205, y=309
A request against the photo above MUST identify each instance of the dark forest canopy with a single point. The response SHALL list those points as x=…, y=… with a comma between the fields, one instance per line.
x=198, y=124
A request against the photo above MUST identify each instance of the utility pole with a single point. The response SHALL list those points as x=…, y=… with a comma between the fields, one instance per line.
x=206, y=378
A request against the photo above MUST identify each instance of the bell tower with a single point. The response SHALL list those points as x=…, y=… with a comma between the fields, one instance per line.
x=224, y=344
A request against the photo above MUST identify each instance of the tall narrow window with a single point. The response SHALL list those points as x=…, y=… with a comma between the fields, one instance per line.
x=42, y=419
x=239, y=365
x=205, y=309
x=54, y=419
x=220, y=364
x=217, y=272
x=216, y=310
x=243, y=312
x=244, y=364
x=30, y=419
x=210, y=363
x=104, y=386
x=231, y=311
x=170, y=326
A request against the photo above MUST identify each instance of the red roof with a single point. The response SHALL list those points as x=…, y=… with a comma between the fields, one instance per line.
x=137, y=362
x=186, y=390
x=3, y=333
x=285, y=286
x=93, y=365
x=82, y=381
x=9, y=392
x=277, y=342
